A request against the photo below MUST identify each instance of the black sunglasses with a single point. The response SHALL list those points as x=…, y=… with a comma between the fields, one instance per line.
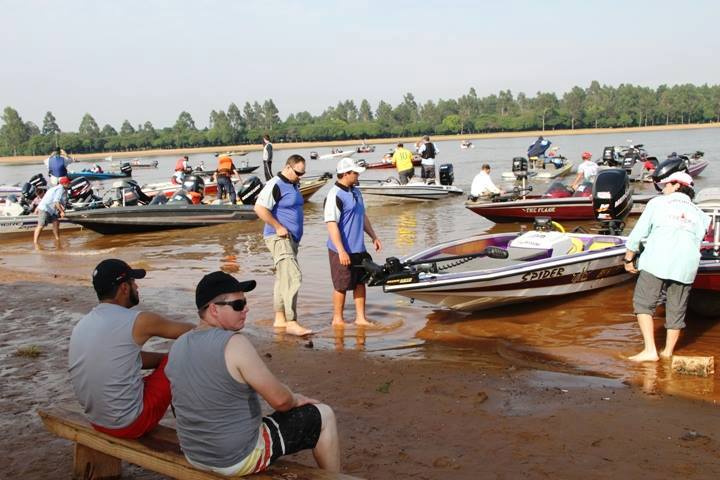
x=237, y=305
x=299, y=174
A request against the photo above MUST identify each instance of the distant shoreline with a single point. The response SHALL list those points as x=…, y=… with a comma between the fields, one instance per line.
x=31, y=159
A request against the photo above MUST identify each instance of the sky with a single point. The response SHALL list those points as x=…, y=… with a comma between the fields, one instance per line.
x=148, y=60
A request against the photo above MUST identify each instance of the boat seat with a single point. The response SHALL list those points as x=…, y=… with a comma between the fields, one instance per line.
x=600, y=243
x=577, y=245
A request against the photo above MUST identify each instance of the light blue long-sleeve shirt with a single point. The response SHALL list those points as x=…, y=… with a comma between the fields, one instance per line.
x=673, y=228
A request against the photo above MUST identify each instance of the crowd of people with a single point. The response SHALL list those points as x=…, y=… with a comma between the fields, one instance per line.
x=213, y=376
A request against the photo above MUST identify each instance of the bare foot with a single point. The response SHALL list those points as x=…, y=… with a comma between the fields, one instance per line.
x=362, y=322
x=644, y=357
x=338, y=323
x=294, y=328
x=280, y=321
x=665, y=355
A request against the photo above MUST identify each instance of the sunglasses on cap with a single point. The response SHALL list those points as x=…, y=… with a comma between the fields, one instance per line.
x=237, y=305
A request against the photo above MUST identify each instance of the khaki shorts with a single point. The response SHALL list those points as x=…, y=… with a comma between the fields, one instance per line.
x=646, y=297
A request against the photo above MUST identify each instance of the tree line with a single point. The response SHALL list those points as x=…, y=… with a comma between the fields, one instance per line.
x=597, y=106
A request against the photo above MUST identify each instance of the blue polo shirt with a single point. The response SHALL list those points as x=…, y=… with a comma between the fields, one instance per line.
x=345, y=206
x=284, y=200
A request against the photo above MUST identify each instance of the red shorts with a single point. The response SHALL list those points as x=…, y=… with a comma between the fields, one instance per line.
x=156, y=400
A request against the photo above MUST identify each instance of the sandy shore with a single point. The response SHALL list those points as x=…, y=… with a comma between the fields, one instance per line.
x=398, y=418
x=29, y=159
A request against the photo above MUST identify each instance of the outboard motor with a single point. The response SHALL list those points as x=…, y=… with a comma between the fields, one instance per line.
x=193, y=183
x=37, y=180
x=314, y=155
x=667, y=168
x=80, y=190
x=520, y=167
x=447, y=174
x=126, y=169
x=612, y=200
x=249, y=190
x=28, y=192
x=609, y=157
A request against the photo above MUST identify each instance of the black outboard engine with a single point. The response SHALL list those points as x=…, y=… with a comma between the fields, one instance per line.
x=609, y=157
x=667, y=168
x=181, y=196
x=37, y=180
x=612, y=200
x=520, y=167
x=126, y=169
x=447, y=174
x=28, y=192
x=249, y=190
x=193, y=183
x=80, y=190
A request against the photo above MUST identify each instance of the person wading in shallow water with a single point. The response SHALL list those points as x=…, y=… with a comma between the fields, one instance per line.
x=280, y=205
x=672, y=227
x=347, y=224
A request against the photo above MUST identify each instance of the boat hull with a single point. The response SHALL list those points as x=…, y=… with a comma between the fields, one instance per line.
x=25, y=224
x=545, y=173
x=96, y=176
x=418, y=191
x=159, y=217
x=530, y=281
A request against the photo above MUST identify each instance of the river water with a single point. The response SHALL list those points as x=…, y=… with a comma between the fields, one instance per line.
x=587, y=333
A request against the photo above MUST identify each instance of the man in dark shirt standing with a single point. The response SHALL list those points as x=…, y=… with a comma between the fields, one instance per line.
x=267, y=157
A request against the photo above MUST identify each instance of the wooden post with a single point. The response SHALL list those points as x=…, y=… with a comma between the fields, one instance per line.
x=93, y=465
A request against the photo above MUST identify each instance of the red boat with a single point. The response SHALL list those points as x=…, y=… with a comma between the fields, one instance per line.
x=558, y=202
x=705, y=293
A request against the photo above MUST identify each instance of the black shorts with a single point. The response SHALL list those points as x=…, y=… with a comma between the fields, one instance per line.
x=294, y=430
x=345, y=277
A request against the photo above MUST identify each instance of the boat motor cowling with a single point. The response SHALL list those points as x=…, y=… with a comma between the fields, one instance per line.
x=667, y=168
x=37, y=180
x=193, y=183
x=611, y=195
x=181, y=196
x=80, y=190
x=126, y=169
x=249, y=190
x=447, y=174
x=520, y=167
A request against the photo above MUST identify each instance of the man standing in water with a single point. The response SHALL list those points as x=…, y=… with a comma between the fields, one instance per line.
x=672, y=227
x=280, y=206
x=347, y=224
x=106, y=359
x=51, y=209
x=267, y=157
x=428, y=150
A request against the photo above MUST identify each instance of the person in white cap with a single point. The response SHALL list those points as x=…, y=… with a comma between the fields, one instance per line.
x=347, y=225
x=672, y=228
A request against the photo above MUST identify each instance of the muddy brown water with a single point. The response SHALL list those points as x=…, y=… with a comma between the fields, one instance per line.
x=589, y=333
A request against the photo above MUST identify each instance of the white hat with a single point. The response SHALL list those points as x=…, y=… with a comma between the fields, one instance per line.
x=348, y=164
x=678, y=177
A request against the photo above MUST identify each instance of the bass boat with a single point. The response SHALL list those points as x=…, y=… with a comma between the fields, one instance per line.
x=705, y=293
x=415, y=189
x=486, y=271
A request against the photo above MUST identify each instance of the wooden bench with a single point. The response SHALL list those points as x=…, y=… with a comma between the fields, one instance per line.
x=98, y=456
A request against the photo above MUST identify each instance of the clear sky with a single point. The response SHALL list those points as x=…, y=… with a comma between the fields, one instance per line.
x=151, y=59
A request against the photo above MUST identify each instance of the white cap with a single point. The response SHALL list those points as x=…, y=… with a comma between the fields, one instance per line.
x=348, y=164
x=678, y=177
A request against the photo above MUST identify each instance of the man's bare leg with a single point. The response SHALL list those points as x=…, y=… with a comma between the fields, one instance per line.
x=672, y=338
x=280, y=321
x=338, y=306
x=56, y=230
x=36, y=234
x=649, y=353
x=327, y=449
x=359, y=296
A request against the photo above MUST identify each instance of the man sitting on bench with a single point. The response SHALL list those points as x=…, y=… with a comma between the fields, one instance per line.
x=216, y=375
x=106, y=360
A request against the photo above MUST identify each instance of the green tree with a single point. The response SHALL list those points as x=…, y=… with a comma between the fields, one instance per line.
x=271, y=117
x=237, y=122
x=108, y=131
x=185, y=123
x=50, y=126
x=14, y=131
x=126, y=128
x=32, y=129
x=251, y=119
x=574, y=103
x=384, y=115
x=148, y=127
x=365, y=114
x=89, y=127
x=545, y=105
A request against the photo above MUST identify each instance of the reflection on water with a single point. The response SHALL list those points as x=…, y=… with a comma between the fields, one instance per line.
x=590, y=333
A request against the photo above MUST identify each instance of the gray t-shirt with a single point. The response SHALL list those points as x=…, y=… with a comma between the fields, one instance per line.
x=218, y=418
x=105, y=366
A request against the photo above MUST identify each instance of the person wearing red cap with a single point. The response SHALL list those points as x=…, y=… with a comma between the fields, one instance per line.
x=51, y=209
x=671, y=228
x=586, y=171
x=105, y=356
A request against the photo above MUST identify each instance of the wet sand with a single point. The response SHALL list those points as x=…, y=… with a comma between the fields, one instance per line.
x=433, y=417
x=30, y=159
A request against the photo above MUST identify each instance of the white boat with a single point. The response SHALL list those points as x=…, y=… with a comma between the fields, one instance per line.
x=25, y=224
x=705, y=293
x=413, y=190
x=465, y=144
x=492, y=270
x=338, y=155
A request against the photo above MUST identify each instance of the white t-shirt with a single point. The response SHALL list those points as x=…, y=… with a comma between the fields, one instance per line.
x=483, y=186
x=589, y=169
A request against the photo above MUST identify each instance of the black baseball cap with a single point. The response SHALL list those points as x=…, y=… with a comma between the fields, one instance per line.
x=111, y=272
x=218, y=283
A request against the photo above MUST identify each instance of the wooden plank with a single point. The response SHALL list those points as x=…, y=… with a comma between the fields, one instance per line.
x=160, y=452
x=90, y=463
